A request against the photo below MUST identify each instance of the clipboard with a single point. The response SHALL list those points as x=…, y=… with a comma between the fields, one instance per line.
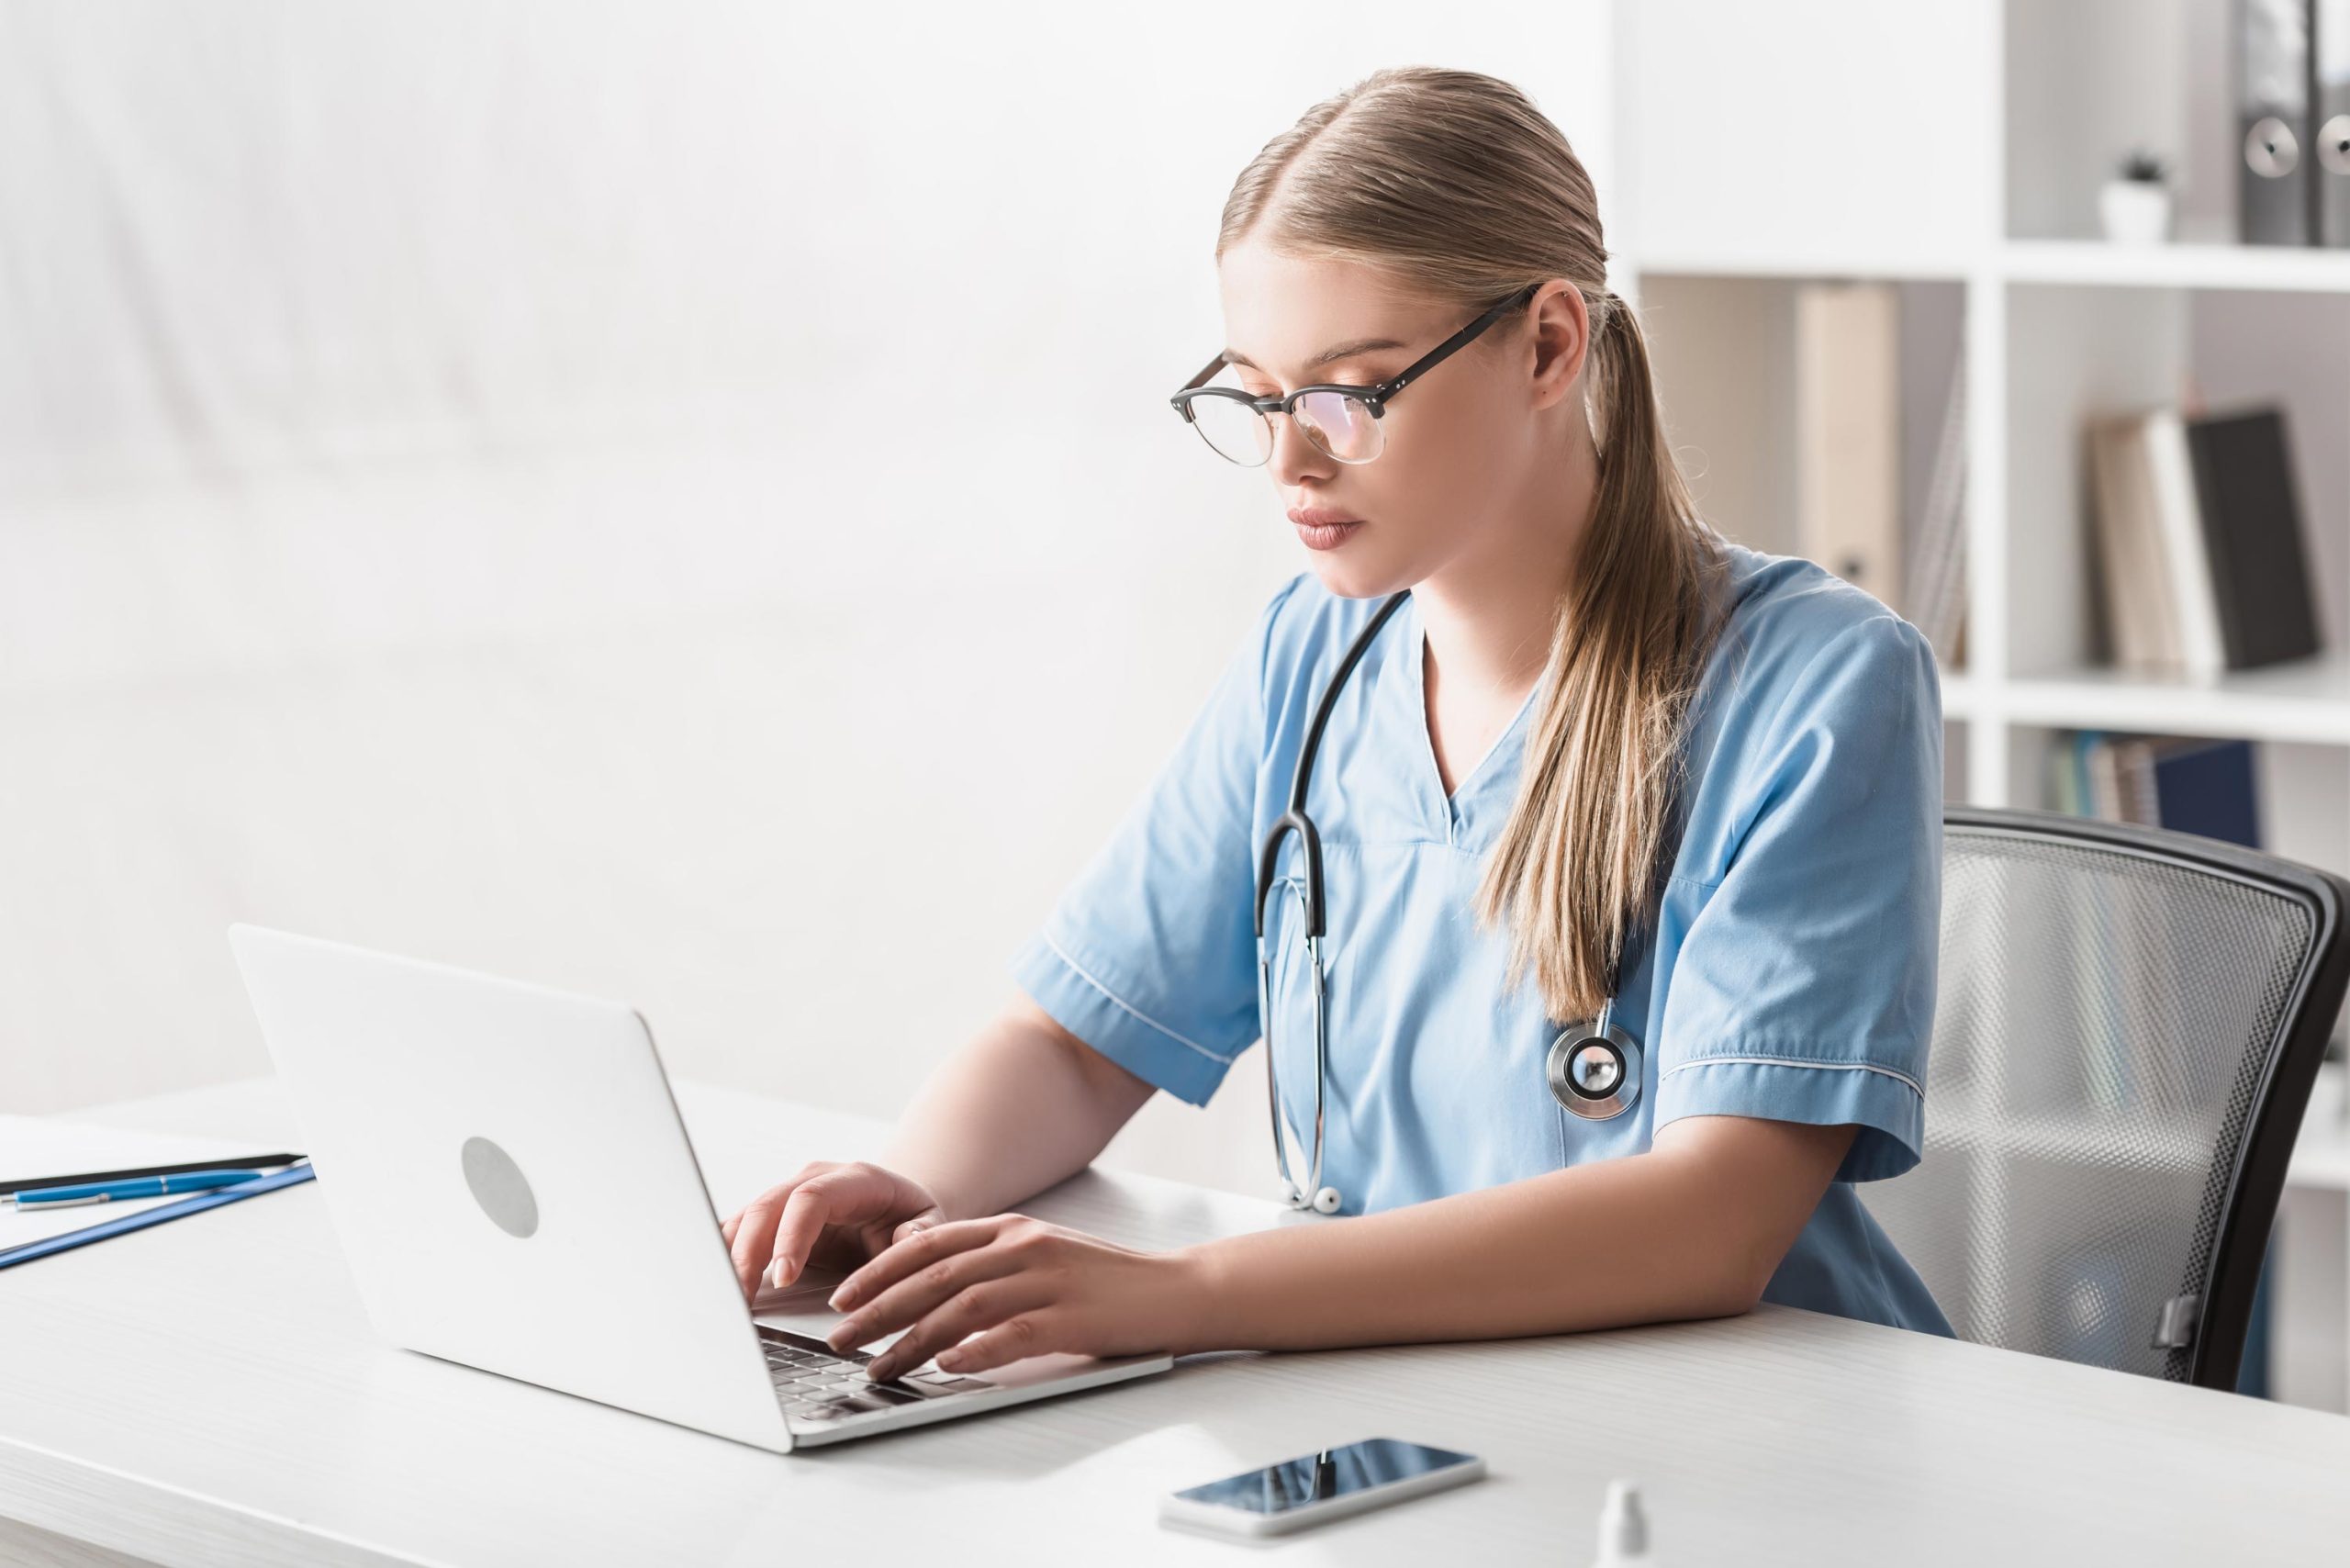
x=196, y=1203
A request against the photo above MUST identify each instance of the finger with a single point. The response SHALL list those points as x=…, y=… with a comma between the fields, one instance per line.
x=844, y=1195
x=729, y=1229
x=922, y=1291
x=1028, y=1333
x=750, y=1244
x=919, y=1250
x=984, y=1307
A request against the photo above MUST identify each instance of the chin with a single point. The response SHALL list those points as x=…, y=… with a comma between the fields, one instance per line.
x=1353, y=579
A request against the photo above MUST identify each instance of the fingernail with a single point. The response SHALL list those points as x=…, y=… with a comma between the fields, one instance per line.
x=774, y=1273
x=840, y=1298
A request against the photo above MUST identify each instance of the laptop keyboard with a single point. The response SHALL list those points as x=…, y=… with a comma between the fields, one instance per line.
x=817, y=1384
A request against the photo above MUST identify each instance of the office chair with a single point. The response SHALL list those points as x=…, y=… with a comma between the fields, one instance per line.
x=2127, y=1025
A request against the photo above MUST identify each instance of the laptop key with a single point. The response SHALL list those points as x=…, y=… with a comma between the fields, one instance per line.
x=874, y=1399
x=784, y=1338
x=881, y=1397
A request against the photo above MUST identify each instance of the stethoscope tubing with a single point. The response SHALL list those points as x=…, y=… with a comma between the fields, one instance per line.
x=1594, y=1072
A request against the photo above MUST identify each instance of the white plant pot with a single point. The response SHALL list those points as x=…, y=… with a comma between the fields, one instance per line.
x=2136, y=212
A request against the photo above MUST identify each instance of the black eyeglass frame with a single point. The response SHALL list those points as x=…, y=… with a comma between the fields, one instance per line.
x=1374, y=397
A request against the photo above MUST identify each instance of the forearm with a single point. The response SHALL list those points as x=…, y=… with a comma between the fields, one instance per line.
x=1648, y=1238
x=1019, y=1108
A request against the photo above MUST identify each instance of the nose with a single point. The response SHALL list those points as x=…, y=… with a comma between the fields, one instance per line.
x=1295, y=456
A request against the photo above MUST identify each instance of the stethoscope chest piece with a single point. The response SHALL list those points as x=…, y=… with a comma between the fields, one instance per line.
x=1595, y=1069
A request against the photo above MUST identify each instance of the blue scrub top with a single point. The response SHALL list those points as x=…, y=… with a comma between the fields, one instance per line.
x=1789, y=973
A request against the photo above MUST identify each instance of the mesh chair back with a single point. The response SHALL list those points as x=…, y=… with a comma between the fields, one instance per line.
x=2127, y=1025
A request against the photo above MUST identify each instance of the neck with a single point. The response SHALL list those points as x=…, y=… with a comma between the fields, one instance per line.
x=1490, y=614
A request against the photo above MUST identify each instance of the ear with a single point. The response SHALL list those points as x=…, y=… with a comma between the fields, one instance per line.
x=1561, y=341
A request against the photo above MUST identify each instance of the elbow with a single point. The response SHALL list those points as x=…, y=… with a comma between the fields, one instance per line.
x=1752, y=1267
x=1746, y=1297
x=1732, y=1297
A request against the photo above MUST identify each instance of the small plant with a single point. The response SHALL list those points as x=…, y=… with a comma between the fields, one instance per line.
x=2142, y=167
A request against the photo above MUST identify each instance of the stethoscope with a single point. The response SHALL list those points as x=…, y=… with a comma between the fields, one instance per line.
x=1592, y=1071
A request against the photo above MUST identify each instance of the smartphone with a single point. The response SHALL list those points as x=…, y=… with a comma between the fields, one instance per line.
x=1300, y=1492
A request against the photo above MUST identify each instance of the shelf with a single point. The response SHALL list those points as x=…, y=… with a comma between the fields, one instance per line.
x=1842, y=263
x=2304, y=268
x=2307, y=269
x=2322, y=1153
x=2321, y=1163
x=2308, y=699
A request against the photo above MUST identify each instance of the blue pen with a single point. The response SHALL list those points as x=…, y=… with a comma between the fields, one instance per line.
x=144, y=1187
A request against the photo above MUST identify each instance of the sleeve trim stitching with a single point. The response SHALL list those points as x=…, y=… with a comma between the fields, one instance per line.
x=1796, y=1061
x=1123, y=1007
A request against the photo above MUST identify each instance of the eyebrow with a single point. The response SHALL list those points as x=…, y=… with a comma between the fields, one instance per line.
x=1327, y=357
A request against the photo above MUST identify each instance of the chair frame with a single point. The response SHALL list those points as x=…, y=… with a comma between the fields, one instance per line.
x=2255, y=1183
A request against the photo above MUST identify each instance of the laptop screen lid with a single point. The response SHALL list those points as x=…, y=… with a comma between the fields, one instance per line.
x=510, y=1182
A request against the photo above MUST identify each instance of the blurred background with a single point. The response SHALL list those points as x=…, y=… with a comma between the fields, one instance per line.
x=679, y=503
x=674, y=502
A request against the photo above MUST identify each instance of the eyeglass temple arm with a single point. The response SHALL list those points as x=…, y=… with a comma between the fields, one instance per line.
x=1202, y=378
x=1436, y=355
x=1378, y=395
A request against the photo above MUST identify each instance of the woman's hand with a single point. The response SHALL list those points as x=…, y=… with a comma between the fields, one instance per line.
x=832, y=1214
x=1023, y=1288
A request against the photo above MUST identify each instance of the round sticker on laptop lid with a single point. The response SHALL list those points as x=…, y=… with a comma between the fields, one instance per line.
x=500, y=1187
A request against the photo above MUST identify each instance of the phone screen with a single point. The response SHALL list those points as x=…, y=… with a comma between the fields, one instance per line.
x=1320, y=1477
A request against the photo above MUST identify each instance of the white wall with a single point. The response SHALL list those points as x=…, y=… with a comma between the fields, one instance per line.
x=1807, y=127
x=676, y=502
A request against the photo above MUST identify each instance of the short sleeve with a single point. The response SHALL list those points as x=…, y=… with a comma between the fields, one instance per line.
x=1803, y=989
x=1150, y=955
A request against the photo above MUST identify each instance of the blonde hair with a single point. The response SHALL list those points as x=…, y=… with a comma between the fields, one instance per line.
x=1453, y=183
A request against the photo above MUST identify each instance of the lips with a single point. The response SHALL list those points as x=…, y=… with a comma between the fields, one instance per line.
x=1321, y=517
x=1318, y=535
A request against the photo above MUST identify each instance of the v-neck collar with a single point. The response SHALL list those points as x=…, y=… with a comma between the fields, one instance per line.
x=1447, y=809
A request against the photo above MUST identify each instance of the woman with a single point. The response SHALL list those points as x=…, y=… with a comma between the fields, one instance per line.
x=1598, y=748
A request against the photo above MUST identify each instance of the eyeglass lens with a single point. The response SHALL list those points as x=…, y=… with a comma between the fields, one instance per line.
x=1342, y=427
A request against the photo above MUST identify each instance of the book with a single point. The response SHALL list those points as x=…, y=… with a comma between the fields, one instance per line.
x=2135, y=599
x=1848, y=433
x=1935, y=597
x=2185, y=575
x=2252, y=531
x=2201, y=565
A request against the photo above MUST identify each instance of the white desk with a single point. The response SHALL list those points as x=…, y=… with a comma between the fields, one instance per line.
x=208, y=1391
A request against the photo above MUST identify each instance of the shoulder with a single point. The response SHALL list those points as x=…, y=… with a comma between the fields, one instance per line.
x=1796, y=637
x=1822, y=710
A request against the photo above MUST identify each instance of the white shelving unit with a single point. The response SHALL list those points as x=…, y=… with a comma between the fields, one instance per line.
x=1755, y=159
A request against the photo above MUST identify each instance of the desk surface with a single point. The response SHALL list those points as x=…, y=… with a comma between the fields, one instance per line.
x=208, y=1391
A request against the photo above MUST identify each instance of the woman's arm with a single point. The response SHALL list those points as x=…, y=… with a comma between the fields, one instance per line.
x=1693, y=1229
x=1024, y=1105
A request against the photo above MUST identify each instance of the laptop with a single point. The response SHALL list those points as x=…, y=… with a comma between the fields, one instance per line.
x=507, y=1172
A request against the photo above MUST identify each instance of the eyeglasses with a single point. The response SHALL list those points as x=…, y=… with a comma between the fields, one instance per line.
x=1343, y=422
